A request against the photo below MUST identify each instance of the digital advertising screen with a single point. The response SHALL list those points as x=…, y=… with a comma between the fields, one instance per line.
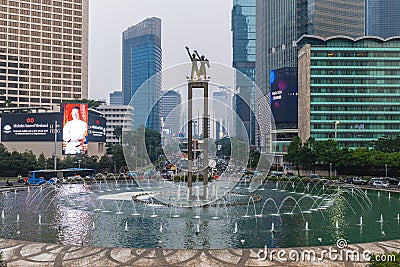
x=283, y=95
x=75, y=128
x=27, y=127
x=97, y=129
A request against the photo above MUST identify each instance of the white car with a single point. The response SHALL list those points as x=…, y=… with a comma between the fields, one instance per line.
x=380, y=183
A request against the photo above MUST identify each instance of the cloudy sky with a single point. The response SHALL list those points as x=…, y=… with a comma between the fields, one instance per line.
x=203, y=25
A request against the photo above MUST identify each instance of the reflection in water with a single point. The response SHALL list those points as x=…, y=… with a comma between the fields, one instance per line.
x=291, y=216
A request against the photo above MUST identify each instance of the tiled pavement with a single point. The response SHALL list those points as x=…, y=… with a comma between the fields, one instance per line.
x=23, y=253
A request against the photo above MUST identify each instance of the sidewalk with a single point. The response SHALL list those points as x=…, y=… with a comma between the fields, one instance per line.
x=22, y=253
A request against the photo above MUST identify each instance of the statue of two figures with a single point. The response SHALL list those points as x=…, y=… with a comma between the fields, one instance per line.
x=196, y=72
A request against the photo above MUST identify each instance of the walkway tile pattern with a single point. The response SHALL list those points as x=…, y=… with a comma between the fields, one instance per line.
x=23, y=253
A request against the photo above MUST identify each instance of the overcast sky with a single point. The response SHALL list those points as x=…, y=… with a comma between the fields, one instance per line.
x=204, y=25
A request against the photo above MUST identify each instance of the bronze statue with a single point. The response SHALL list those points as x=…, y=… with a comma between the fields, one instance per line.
x=203, y=63
x=194, y=64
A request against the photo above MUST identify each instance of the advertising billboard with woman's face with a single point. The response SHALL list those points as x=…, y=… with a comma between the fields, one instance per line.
x=75, y=128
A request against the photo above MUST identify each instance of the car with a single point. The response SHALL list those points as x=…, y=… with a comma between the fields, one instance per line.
x=394, y=180
x=372, y=180
x=381, y=183
x=277, y=174
x=314, y=175
x=359, y=181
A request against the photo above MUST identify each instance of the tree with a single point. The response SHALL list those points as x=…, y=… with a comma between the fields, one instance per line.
x=153, y=144
x=91, y=103
x=41, y=162
x=308, y=155
x=105, y=164
x=294, y=152
x=118, y=157
x=118, y=133
x=254, y=157
x=387, y=145
x=327, y=152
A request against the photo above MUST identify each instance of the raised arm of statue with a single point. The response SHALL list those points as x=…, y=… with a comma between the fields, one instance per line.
x=190, y=56
x=198, y=56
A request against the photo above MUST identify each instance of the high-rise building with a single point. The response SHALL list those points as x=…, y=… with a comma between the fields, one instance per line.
x=170, y=111
x=116, y=98
x=223, y=118
x=349, y=89
x=43, y=52
x=141, y=60
x=280, y=23
x=382, y=18
x=117, y=116
x=244, y=57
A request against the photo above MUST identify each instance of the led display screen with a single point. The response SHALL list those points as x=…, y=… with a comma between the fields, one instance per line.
x=29, y=127
x=283, y=95
x=97, y=129
x=75, y=128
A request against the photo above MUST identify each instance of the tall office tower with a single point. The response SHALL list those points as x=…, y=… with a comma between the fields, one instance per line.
x=280, y=23
x=116, y=98
x=335, y=102
x=223, y=119
x=43, y=52
x=244, y=57
x=141, y=60
x=170, y=111
x=382, y=18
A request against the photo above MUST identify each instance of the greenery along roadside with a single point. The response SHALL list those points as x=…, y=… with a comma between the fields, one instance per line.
x=15, y=163
x=383, y=153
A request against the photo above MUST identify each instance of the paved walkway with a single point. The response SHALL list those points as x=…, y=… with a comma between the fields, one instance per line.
x=22, y=253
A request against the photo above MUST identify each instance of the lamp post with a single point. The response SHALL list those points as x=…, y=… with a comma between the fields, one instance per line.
x=55, y=145
x=336, y=123
x=386, y=171
x=79, y=163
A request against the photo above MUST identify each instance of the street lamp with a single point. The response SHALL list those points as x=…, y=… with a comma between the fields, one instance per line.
x=386, y=171
x=79, y=163
x=336, y=123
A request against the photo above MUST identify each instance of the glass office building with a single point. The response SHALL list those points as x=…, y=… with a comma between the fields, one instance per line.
x=382, y=18
x=349, y=89
x=244, y=57
x=280, y=23
x=141, y=59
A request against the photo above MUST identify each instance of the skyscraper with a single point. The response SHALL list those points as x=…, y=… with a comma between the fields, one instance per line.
x=116, y=98
x=244, y=57
x=141, y=59
x=280, y=23
x=170, y=111
x=382, y=18
x=43, y=52
x=222, y=124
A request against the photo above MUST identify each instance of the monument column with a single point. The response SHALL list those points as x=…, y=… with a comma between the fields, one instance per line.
x=198, y=79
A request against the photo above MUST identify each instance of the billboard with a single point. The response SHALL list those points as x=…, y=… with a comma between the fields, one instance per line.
x=75, y=128
x=97, y=129
x=29, y=127
x=283, y=95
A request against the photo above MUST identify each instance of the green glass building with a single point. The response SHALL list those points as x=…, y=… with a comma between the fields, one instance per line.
x=349, y=89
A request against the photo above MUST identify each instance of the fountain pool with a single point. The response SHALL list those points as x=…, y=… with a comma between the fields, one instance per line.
x=287, y=215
